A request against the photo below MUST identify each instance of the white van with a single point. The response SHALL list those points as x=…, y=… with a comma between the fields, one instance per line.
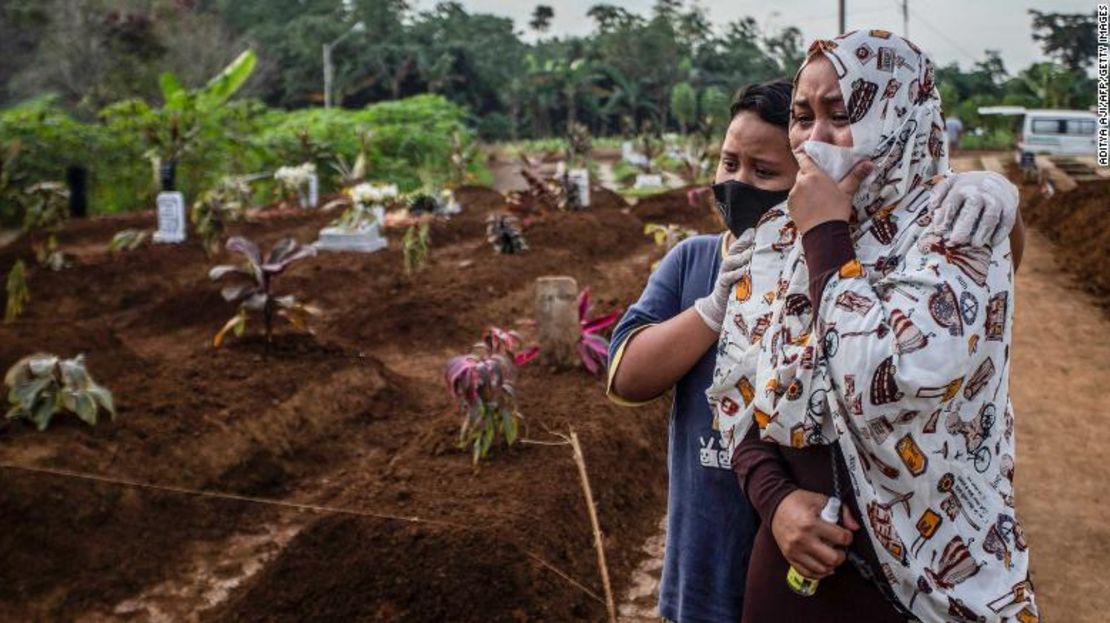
x=1059, y=133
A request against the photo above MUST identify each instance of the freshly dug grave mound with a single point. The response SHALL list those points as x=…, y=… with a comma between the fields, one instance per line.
x=602, y=198
x=321, y=420
x=470, y=224
x=370, y=301
x=188, y=420
x=1079, y=223
x=673, y=206
x=355, y=569
x=521, y=501
x=73, y=547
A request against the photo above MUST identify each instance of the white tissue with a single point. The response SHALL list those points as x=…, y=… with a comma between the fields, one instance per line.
x=834, y=160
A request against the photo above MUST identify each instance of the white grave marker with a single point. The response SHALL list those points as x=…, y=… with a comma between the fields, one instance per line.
x=631, y=156
x=171, y=217
x=366, y=238
x=649, y=181
x=313, y=191
x=581, y=179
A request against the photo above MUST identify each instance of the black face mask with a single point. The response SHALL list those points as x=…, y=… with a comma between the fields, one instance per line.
x=742, y=205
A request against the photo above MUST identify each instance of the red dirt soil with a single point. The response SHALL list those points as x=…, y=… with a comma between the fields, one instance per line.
x=1079, y=223
x=673, y=206
x=354, y=417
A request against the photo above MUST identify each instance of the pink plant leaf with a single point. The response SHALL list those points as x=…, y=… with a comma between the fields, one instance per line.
x=527, y=355
x=583, y=305
x=599, y=324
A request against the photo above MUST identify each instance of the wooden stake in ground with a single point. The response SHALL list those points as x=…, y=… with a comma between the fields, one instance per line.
x=557, y=320
x=610, y=605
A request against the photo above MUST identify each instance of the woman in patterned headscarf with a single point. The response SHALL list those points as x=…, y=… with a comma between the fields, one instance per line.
x=873, y=358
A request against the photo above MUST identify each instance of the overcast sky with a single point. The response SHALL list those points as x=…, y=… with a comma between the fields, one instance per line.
x=950, y=30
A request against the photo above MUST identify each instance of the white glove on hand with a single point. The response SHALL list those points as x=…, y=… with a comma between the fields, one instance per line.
x=712, y=307
x=977, y=208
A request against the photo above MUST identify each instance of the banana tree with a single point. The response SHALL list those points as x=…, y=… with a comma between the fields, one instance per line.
x=186, y=113
x=571, y=79
x=627, y=99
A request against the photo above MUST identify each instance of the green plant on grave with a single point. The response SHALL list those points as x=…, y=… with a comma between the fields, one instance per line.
x=128, y=240
x=695, y=161
x=503, y=231
x=45, y=207
x=45, y=210
x=666, y=236
x=10, y=200
x=483, y=383
x=41, y=386
x=354, y=173
x=48, y=255
x=17, y=292
x=579, y=145
x=650, y=144
x=217, y=207
x=464, y=154
x=254, y=287
x=415, y=246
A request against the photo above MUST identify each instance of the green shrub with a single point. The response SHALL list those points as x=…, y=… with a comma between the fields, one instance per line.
x=998, y=138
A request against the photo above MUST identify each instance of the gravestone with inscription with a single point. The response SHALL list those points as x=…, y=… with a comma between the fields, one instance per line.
x=171, y=217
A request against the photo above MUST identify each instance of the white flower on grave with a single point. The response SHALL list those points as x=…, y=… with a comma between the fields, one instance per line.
x=295, y=177
x=366, y=194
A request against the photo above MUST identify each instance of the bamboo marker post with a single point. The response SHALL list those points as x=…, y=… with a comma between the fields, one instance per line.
x=556, y=308
x=580, y=460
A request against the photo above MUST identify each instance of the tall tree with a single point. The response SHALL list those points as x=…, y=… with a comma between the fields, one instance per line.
x=684, y=105
x=541, y=18
x=1068, y=38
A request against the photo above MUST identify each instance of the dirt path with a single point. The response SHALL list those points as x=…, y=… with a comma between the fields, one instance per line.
x=1061, y=396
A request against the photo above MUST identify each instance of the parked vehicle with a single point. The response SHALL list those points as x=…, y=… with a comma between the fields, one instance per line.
x=1052, y=132
x=1059, y=132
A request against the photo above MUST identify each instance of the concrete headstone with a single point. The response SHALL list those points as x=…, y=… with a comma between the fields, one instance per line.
x=171, y=217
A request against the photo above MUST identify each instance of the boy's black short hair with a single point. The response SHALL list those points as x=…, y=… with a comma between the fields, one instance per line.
x=770, y=100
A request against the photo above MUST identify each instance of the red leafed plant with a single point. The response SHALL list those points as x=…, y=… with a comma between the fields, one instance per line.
x=593, y=348
x=483, y=383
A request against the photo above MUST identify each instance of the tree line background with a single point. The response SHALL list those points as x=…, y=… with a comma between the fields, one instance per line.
x=663, y=70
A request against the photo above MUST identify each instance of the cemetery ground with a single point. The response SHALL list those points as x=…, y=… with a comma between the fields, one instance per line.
x=356, y=418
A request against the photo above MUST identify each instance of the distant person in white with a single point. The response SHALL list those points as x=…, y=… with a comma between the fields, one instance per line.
x=955, y=129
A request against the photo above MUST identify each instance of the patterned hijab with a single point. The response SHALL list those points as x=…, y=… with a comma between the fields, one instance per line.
x=903, y=363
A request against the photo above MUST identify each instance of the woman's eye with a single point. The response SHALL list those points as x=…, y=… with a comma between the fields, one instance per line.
x=730, y=165
x=765, y=173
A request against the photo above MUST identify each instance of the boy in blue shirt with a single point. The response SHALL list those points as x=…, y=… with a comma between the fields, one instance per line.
x=666, y=339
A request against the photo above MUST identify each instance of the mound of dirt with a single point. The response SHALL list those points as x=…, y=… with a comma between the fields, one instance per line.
x=602, y=198
x=524, y=501
x=673, y=206
x=403, y=573
x=1079, y=223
